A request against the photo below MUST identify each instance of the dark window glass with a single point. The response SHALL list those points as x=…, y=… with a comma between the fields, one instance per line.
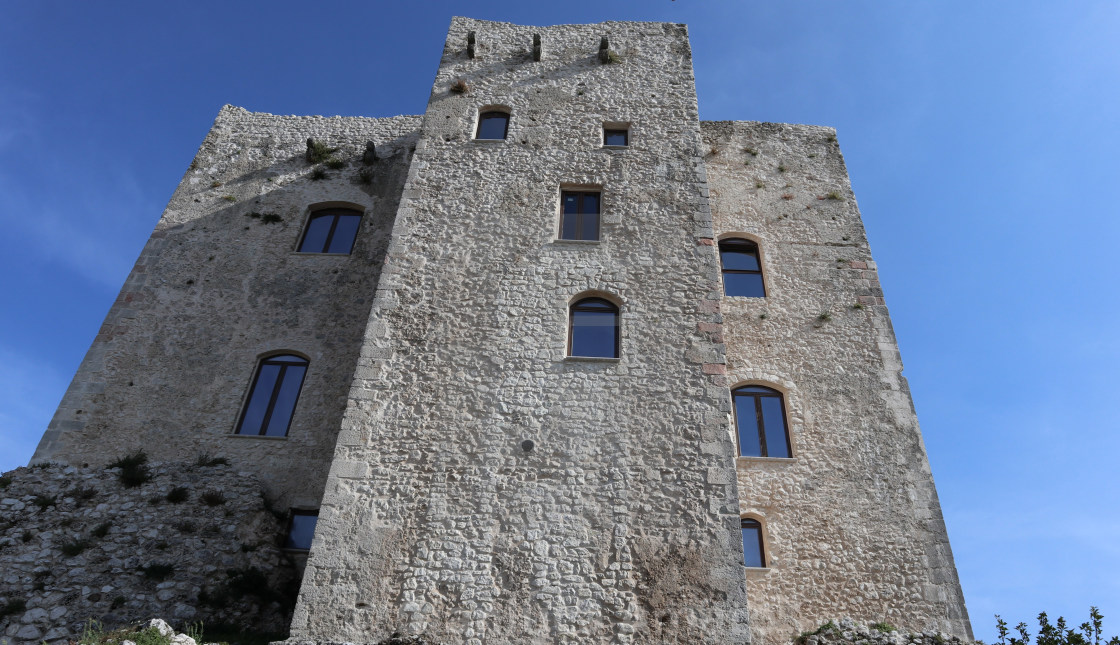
x=301, y=528
x=616, y=137
x=492, y=125
x=752, y=544
x=273, y=397
x=579, y=218
x=593, y=329
x=331, y=231
x=760, y=422
x=742, y=272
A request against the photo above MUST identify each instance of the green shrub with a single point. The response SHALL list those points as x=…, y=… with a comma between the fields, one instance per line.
x=886, y=628
x=178, y=495
x=5, y=481
x=44, y=502
x=335, y=164
x=13, y=606
x=213, y=497
x=101, y=530
x=318, y=174
x=83, y=494
x=267, y=218
x=318, y=152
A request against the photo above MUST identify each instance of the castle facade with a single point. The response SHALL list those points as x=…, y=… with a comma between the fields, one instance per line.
x=554, y=362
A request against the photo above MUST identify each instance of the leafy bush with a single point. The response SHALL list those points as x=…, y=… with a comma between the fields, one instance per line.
x=44, y=502
x=83, y=494
x=1089, y=633
x=101, y=530
x=5, y=481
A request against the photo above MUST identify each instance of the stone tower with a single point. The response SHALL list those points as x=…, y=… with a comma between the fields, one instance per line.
x=480, y=476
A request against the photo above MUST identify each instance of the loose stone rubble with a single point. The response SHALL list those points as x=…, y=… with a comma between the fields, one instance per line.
x=76, y=545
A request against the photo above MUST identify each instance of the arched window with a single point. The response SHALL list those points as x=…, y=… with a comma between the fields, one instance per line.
x=272, y=399
x=760, y=420
x=492, y=124
x=331, y=230
x=593, y=328
x=742, y=271
x=754, y=555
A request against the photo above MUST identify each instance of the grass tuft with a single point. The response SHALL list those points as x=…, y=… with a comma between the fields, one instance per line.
x=134, y=469
x=44, y=501
x=213, y=497
x=158, y=571
x=178, y=495
x=74, y=547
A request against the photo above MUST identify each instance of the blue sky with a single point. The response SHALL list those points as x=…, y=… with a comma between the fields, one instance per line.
x=981, y=138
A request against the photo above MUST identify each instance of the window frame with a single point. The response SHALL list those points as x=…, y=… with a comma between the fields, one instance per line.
x=762, y=559
x=741, y=245
x=608, y=130
x=736, y=392
x=335, y=212
x=581, y=193
x=292, y=513
x=490, y=112
x=266, y=418
x=617, y=310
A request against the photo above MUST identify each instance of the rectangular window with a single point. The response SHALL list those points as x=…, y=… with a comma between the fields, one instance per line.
x=616, y=137
x=301, y=528
x=579, y=215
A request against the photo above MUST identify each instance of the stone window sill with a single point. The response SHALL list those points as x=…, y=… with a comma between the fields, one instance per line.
x=257, y=436
x=329, y=255
x=766, y=460
x=756, y=572
x=591, y=359
x=489, y=141
x=563, y=241
x=616, y=147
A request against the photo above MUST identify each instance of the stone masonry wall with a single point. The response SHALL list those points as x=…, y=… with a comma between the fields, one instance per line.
x=619, y=524
x=76, y=545
x=215, y=288
x=852, y=522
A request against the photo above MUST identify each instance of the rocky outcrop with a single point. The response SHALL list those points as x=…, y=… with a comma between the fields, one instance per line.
x=191, y=542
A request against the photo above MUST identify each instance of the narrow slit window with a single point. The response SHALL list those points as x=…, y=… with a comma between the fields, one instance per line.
x=742, y=271
x=492, y=125
x=272, y=399
x=331, y=230
x=579, y=218
x=760, y=422
x=753, y=553
x=593, y=329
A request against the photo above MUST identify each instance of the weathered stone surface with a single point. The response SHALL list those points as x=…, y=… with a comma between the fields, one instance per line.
x=852, y=522
x=216, y=287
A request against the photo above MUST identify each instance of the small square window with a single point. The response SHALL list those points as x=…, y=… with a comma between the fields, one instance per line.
x=616, y=137
x=301, y=528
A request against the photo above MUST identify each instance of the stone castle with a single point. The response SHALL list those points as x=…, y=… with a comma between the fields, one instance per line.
x=554, y=362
